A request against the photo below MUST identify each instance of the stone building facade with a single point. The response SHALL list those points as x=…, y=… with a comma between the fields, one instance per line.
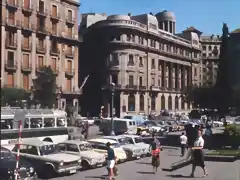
x=37, y=33
x=150, y=65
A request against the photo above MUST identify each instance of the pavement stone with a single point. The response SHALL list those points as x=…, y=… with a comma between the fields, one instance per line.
x=142, y=170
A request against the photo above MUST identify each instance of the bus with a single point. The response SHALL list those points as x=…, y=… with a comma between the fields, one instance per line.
x=43, y=124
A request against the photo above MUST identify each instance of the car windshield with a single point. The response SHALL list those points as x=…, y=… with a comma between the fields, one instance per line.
x=85, y=147
x=124, y=141
x=115, y=145
x=49, y=149
x=160, y=123
x=138, y=140
x=5, y=153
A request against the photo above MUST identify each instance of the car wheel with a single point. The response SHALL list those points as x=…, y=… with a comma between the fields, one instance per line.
x=85, y=165
x=50, y=172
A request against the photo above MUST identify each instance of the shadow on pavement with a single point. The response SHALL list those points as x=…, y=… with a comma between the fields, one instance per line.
x=145, y=172
x=143, y=163
x=178, y=176
x=96, y=177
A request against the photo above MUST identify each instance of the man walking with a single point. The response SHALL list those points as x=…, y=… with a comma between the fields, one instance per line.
x=110, y=160
x=183, y=140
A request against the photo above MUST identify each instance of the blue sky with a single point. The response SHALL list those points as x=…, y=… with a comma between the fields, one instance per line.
x=205, y=15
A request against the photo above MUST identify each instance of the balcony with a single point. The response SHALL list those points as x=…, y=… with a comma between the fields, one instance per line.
x=42, y=30
x=12, y=23
x=41, y=12
x=40, y=49
x=71, y=37
x=12, y=4
x=55, y=17
x=27, y=47
x=70, y=21
x=133, y=87
x=69, y=54
x=141, y=87
x=26, y=68
x=69, y=72
x=55, y=51
x=28, y=27
x=27, y=9
x=11, y=44
x=10, y=66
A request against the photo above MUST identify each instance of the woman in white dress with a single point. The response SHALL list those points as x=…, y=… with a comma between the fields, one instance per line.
x=198, y=156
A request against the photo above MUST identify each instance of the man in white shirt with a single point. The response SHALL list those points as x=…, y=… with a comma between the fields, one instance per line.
x=183, y=140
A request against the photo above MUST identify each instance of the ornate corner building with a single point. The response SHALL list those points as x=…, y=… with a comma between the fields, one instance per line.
x=37, y=33
x=150, y=65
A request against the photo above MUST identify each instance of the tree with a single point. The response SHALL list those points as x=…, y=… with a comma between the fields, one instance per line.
x=45, y=87
x=13, y=96
x=222, y=88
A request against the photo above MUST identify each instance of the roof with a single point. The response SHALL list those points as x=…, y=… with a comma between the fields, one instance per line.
x=192, y=29
x=75, y=142
x=35, y=142
x=166, y=16
x=101, y=140
x=236, y=31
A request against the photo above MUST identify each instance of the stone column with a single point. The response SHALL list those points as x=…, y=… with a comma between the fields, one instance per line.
x=182, y=77
x=170, y=75
x=137, y=104
x=169, y=26
x=3, y=57
x=34, y=57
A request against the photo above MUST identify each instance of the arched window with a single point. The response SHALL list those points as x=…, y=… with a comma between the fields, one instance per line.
x=153, y=103
x=169, y=102
x=176, y=103
x=163, y=102
x=131, y=102
x=141, y=102
x=182, y=103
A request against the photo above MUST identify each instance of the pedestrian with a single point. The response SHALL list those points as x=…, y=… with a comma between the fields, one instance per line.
x=198, y=156
x=183, y=140
x=111, y=158
x=155, y=148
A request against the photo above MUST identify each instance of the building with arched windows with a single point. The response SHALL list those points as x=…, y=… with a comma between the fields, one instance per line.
x=149, y=63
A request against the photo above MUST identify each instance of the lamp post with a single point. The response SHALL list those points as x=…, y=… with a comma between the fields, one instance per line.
x=31, y=96
x=112, y=88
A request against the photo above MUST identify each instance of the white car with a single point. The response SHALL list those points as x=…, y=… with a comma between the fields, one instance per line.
x=90, y=158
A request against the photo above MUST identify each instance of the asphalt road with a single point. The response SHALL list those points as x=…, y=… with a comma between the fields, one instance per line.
x=142, y=170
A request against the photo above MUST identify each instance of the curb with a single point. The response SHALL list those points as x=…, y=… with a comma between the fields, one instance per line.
x=217, y=158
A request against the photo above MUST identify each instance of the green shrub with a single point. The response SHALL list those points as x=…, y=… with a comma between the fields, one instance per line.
x=233, y=135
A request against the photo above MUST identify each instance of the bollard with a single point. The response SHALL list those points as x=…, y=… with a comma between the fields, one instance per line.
x=18, y=151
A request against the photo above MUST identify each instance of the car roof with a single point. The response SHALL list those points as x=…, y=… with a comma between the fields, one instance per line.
x=35, y=142
x=102, y=140
x=130, y=135
x=74, y=142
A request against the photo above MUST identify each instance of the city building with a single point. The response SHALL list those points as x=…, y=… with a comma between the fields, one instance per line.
x=234, y=59
x=37, y=33
x=210, y=58
x=149, y=63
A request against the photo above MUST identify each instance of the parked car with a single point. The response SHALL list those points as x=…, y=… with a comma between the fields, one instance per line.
x=99, y=145
x=89, y=158
x=8, y=166
x=137, y=141
x=172, y=125
x=132, y=151
x=154, y=126
x=46, y=157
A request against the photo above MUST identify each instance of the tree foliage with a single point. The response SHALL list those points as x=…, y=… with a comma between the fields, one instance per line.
x=13, y=96
x=45, y=87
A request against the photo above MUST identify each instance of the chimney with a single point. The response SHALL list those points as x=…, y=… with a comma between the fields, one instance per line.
x=104, y=14
x=129, y=14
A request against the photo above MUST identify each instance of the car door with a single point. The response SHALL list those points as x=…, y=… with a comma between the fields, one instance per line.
x=100, y=148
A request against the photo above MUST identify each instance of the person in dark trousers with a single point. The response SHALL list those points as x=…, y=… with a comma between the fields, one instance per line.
x=85, y=129
x=183, y=140
x=198, y=156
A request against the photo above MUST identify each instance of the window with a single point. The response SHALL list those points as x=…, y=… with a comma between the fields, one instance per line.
x=195, y=55
x=153, y=81
x=159, y=65
x=25, y=82
x=25, y=60
x=130, y=60
x=131, y=102
x=209, y=48
x=128, y=37
x=26, y=21
x=10, y=80
x=41, y=6
x=204, y=48
x=204, y=55
x=10, y=60
x=133, y=38
x=153, y=26
x=10, y=38
x=23, y=148
x=11, y=17
x=176, y=103
x=130, y=80
x=141, y=102
x=175, y=50
x=54, y=11
x=54, y=45
x=70, y=31
x=162, y=102
x=70, y=18
x=41, y=43
x=140, y=81
x=72, y=148
x=195, y=71
x=115, y=60
x=26, y=4
x=54, y=28
x=181, y=51
x=152, y=43
x=153, y=103
x=69, y=66
x=159, y=82
x=170, y=102
x=115, y=78
x=54, y=63
x=140, y=61
x=153, y=64
x=168, y=48
x=68, y=84
x=141, y=40
x=40, y=62
x=118, y=38
x=26, y=42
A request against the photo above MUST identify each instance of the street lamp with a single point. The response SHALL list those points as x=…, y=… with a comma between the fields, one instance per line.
x=112, y=88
